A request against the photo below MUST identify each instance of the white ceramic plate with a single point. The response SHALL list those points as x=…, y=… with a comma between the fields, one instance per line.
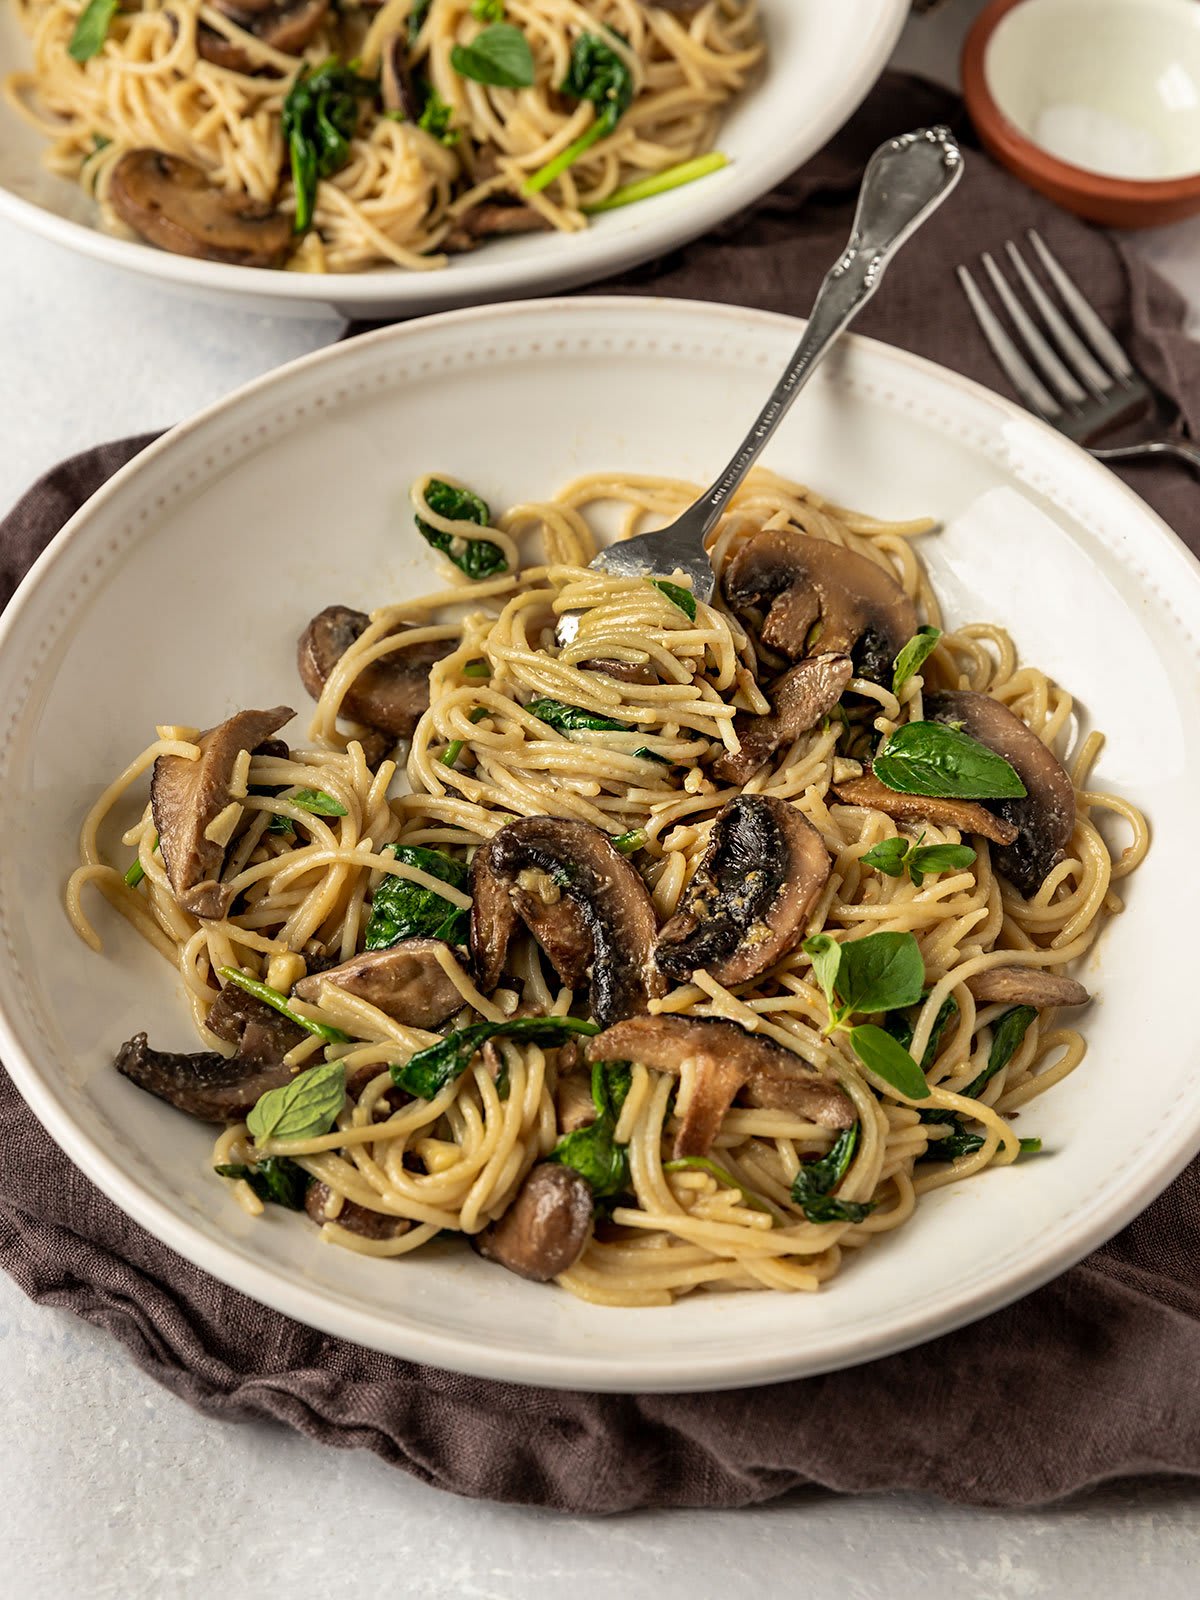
x=824, y=58
x=177, y=595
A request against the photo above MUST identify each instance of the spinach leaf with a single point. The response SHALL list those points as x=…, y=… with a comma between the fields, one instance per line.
x=889, y=1060
x=435, y=121
x=278, y=1002
x=416, y=19
x=630, y=843
x=478, y=558
x=402, y=909
x=320, y=115
x=881, y=972
x=428, y=1072
x=644, y=754
x=914, y=656
x=302, y=1109
x=814, y=1183
x=455, y=748
x=1007, y=1035
x=487, y=10
x=91, y=29
x=277, y=1180
x=317, y=802
x=599, y=74
x=499, y=56
x=677, y=594
x=901, y=1026
x=573, y=719
x=934, y=759
x=592, y=1151
x=965, y=1144
x=660, y=182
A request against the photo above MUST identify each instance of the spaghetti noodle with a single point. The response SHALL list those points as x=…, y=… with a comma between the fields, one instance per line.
x=657, y=689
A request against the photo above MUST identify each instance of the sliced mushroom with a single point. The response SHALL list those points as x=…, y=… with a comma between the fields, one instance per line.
x=171, y=203
x=573, y=1103
x=405, y=982
x=187, y=797
x=395, y=78
x=491, y=219
x=1045, y=818
x=722, y=1060
x=545, y=1229
x=821, y=596
x=392, y=693
x=288, y=26
x=805, y=693
x=354, y=1218
x=965, y=815
x=602, y=926
x=1026, y=986
x=208, y=1086
x=751, y=895
x=262, y=1036
x=622, y=671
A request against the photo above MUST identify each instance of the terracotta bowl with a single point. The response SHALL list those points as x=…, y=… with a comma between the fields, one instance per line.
x=1095, y=103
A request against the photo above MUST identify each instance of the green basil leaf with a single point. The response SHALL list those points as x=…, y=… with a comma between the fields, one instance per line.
x=478, y=558
x=316, y=801
x=677, y=594
x=882, y=1055
x=881, y=972
x=91, y=29
x=428, y=1072
x=814, y=1183
x=941, y=762
x=278, y=1002
x=826, y=956
x=573, y=719
x=914, y=656
x=888, y=856
x=305, y=1108
x=935, y=858
x=277, y=1180
x=499, y=56
x=402, y=909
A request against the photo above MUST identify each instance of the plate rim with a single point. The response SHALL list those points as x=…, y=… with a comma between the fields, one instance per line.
x=473, y=280
x=329, y=1309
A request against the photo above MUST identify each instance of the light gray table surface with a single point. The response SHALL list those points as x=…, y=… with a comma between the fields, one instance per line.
x=110, y=1487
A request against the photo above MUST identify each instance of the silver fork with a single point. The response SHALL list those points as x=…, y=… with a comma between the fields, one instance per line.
x=905, y=182
x=1089, y=389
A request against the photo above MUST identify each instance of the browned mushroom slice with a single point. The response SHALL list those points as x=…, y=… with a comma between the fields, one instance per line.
x=205, y=1085
x=395, y=78
x=751, y=895
x=544, y=1231
x=262, y=1036
x=406, y=982
x=354, y=1218
x=821, y=596
x=492, y=219
x=1026, y=986
x=288, y=27
x=622, y=671
x=722, y=1061
x=392, y=694
x=573, y=1102
x=806, y=693
x=187, y=797
x=171, y=203
x=1045, y=818
x=601, y=899
x=965, y=815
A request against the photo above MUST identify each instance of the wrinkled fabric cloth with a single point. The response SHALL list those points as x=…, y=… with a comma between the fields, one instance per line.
x=1095, y=1377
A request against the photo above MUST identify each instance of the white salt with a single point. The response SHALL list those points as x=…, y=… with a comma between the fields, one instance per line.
x=1099, y=141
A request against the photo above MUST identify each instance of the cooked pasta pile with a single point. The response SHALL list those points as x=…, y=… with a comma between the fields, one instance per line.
x=622, y=736
x=454, y=112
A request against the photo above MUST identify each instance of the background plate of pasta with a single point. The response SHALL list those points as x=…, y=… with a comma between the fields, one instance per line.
x=739, y=991
x=413, y=154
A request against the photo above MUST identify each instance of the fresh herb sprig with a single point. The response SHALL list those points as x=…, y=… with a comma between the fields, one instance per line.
x=305, y=1108
x=914, y=656
x=897, y=855
x=942, y=762
x=883, y=972
x=600, y=74
x=428, y=1072
x=91, y=29
x=498, y=56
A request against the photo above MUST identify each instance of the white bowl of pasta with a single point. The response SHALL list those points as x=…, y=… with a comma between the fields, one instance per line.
x=471, y=153
x=794, y=1154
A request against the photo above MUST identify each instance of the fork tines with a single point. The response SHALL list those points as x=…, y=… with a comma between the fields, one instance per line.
x=1075, y=376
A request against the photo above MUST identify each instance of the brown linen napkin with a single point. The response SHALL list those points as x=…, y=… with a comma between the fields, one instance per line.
x=1095, y=1377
